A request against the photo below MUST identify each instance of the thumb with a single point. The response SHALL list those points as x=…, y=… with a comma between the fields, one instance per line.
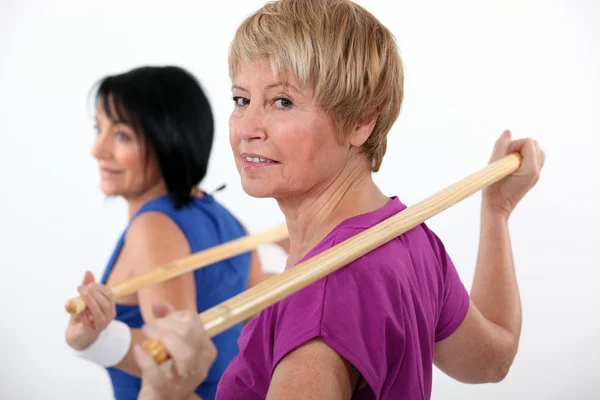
x=161, y=309
x=88, y=277
x=502, y=145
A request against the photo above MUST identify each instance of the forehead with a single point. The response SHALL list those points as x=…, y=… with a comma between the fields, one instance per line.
x=260, y=73
x=109, y=112
x=259, y=78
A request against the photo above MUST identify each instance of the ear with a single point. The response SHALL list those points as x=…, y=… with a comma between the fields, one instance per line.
x=362, y=130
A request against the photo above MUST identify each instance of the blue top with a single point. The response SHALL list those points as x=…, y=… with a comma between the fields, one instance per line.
x=205, y=223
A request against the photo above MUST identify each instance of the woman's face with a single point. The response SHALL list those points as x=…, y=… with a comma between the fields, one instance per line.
x=121, y=159
x=283, y=144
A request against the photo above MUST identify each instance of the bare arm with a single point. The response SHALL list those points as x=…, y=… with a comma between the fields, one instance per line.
x=483, y=348
x=154, y=239
x=313, y=371
x=257, y=274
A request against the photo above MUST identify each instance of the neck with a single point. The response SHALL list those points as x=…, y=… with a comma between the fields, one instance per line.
x=311, y=217
x=135, y=203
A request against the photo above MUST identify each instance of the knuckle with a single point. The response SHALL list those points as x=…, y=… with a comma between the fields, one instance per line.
x=187, y=330
x=210, y=352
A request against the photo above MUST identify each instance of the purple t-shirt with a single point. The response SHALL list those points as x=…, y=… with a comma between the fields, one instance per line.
x=383, y=313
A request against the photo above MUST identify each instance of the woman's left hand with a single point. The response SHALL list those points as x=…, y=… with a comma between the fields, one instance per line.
x=504, y=195
x=84, y=328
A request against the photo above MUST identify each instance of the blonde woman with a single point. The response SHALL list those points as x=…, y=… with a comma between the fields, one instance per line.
x=316, y=86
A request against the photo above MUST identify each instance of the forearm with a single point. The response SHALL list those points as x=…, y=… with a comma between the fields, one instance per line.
x=128, y=363
x=495, y=291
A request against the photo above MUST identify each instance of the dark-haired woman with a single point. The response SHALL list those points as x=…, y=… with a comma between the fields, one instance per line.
x=154, y=137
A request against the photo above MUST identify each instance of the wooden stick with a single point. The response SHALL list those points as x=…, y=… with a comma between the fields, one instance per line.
x=223, y=316
x=183, y=265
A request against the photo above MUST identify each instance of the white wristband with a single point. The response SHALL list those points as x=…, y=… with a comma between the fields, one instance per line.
x=111, y=346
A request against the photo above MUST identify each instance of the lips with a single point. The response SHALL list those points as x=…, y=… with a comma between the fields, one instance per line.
x=252, y=157
x=253, y=161
x=258, y=159
x=108, y=172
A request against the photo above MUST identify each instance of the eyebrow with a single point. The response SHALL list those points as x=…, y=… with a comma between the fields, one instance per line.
x=114, y=122
x=271, y=86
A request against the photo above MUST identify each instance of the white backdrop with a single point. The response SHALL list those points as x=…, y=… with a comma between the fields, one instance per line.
x=472, y=70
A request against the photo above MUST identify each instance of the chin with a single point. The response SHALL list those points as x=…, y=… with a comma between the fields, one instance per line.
x=109, y=190
x=255, y=191
x=257, y=188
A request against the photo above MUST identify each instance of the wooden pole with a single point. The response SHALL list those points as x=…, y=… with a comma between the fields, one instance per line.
x=238, y=308
x=183, y=265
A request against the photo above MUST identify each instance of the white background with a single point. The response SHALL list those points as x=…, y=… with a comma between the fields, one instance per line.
x=472, y=70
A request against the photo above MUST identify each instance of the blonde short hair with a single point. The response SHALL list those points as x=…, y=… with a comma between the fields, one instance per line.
x=340, y=50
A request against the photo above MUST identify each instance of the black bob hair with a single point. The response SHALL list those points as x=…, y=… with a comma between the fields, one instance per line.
x=168, y=108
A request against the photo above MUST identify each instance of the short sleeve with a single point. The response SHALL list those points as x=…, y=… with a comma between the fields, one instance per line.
x=454, y=298
x=356, y=311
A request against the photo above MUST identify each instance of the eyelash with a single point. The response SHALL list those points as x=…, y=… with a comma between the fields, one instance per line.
x=121, y=136
x=236, y=100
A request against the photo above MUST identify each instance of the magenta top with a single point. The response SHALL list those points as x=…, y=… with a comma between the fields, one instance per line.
x=383, y=313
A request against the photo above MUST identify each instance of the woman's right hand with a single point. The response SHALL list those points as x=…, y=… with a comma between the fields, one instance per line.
x=84, y=328
x=191, y=350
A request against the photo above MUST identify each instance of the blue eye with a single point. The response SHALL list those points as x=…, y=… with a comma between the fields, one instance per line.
x=240, y=101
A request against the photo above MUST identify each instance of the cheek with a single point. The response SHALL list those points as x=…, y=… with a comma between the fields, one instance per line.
x=131, y=159
x=234, y=139
x=312, y=146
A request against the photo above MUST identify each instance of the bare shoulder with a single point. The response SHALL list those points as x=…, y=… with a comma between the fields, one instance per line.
x=154, y=225
x=155, y=237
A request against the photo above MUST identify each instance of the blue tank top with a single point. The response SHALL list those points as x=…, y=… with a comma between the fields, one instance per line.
x=205, y=223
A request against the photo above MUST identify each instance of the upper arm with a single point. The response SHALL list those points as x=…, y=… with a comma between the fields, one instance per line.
x=257, y=274
x=313, y=371
x=478, y=351
x=468, y=348
x=154, y=239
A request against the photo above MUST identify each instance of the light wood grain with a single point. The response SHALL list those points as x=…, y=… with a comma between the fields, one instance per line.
x=183, y=265
x=223, y=316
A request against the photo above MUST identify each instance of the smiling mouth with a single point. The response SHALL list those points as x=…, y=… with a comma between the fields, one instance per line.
x=258, y=160
x=108, y=172
x=251, y=162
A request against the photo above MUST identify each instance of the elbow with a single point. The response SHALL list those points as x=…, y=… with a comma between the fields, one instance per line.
x=500, y=372
x=504, y=361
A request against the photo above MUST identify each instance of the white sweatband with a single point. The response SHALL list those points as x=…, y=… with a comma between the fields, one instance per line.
x=111, y=346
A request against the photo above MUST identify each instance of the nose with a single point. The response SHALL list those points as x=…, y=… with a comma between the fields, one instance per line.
x=101, y=147
x=251, y=125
